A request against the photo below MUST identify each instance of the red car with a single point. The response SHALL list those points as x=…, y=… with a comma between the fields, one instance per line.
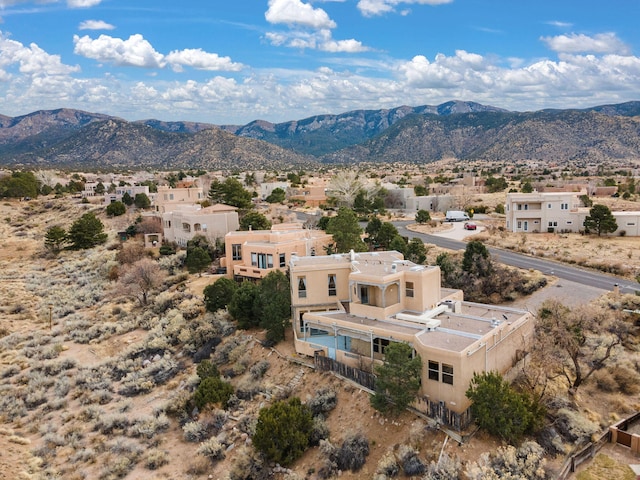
x=470, y=226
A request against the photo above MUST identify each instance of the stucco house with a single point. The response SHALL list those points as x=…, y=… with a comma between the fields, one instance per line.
x=350, y=307
x=558, y=212
x=253, y=254
x=183, y=222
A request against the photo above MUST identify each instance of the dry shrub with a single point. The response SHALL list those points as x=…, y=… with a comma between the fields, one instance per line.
x=248, y=465
x=628, y=380
x=199, y=466
x=155, y=459
x=605, y=381
x=130, y=253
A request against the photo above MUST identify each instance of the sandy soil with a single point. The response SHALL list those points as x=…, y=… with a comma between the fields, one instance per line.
x=22, y=228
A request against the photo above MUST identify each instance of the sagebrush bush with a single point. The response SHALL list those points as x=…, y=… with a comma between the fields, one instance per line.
x=212, y=449
x=258, y=370
x=319, y=431
x=352, y=454
x=410, y=461
x=148, y=426
x=194, y=431
x=574, y=426
x=446, y=468
x=248, y=465
x=155, y=458
x=323, y=402
x=387, y=466
x=526, y=462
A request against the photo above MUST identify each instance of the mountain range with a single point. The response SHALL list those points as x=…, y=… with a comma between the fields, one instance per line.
x=462, y=130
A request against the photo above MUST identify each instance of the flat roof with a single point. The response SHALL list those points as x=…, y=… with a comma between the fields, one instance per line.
x=368, y=263
x=457, y=331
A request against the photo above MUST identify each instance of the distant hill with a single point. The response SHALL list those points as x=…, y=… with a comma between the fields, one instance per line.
x=551, y=135
x=115, y=143
x=323, y=134
x=462, y=130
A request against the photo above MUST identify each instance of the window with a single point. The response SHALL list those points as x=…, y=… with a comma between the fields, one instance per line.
x=447, y=374
x=364, y=295
x=380, y=345
x=269, y=261
x=409, y=289
x=519, y=206
x=254, y=259
x=519, y=225
x=283, y=262
x=553, y=224
x=526, y=206
x=564, y=206
x=302, y=287
x=197, y=227
x=548, y=205
x=569, y=222
x=332, y=285
x=186, y=227
x=236, y=251
x=434, y=370
x=631, y=224
x=171, y=196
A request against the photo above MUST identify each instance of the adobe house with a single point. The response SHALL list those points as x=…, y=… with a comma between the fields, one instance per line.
x=251, y=255
x=350, y=307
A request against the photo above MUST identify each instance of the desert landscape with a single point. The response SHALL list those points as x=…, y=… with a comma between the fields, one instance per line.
x=95, y=385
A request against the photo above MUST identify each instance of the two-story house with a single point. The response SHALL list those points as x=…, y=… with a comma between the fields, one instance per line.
x=558, y=212
x=543, y=211
x=184, y=222
x=251, y=255
x=350, y=307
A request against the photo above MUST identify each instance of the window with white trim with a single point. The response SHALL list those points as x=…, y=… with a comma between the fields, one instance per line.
x=236, y=251
x=331, y=280
x=302, y=287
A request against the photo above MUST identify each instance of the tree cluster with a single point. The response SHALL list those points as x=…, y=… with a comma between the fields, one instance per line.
x=19, y=185
x=481, y=279
x=211, y=389
x=266, y=305
x=85, y=232
x=501, y=410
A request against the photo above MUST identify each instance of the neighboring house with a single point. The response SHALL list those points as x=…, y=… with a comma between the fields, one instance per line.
x=89, y=189
x=543, y=212
x=558, y=212
x=253, y=254
x=350, y=307
x=185, y=221
x=168, y=198
x=131, y=190
x=267, y=188
x=310, y=195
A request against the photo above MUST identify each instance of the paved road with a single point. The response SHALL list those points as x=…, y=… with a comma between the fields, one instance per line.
x=566, y=272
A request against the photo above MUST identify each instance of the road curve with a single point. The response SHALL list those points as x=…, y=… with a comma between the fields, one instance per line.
x=567, y=272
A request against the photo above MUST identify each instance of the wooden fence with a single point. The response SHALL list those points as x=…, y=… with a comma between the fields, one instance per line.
x=581, y=456
x=366, y=379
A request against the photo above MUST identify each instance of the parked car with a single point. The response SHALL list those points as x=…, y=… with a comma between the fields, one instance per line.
x=470, y=226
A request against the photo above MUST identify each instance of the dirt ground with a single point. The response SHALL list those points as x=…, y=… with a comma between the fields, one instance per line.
x=22, y=229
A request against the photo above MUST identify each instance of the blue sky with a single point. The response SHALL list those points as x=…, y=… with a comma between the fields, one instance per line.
x=231, y=62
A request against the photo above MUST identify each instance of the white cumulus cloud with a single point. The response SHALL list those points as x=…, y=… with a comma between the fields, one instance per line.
x=83, y=3
x=95, y=25
x=200, y=60
x=370, y=8
x=295, y=12
x=133, y=52
x=579, y=43
x=32, y=60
